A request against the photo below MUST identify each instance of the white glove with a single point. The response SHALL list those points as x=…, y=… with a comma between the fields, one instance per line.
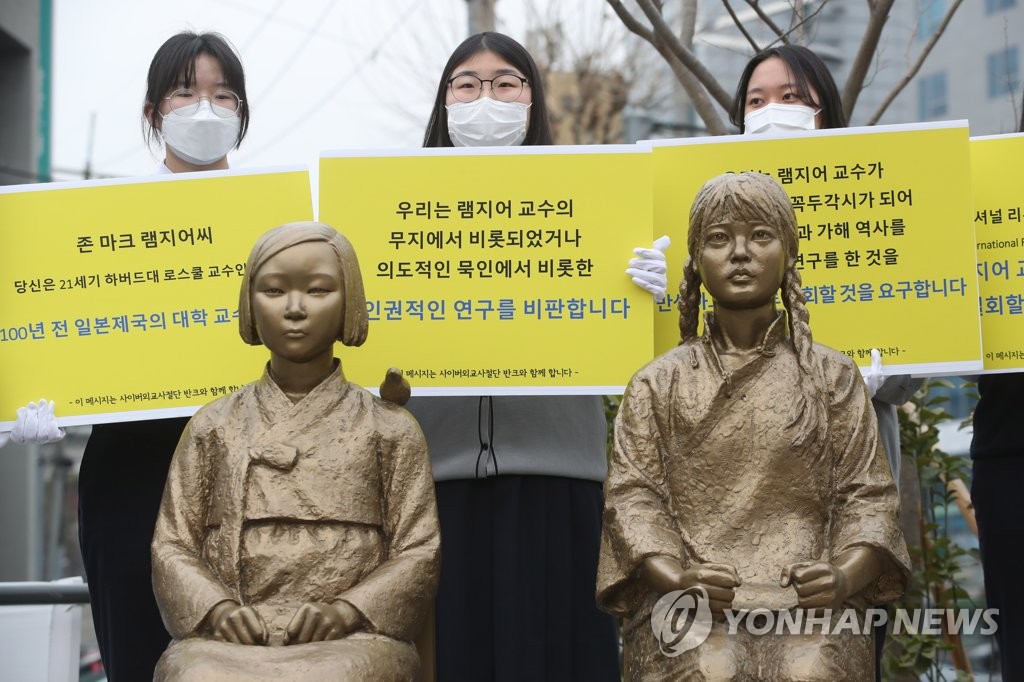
x=36, y=423
x=873, y=377
x=648, y=267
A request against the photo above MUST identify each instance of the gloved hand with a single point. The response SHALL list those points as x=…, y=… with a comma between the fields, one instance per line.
x=648, y=267
x=36, y=423
x=873, y=377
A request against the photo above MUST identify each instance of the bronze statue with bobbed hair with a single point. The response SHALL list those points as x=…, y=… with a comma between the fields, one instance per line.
x=747, y=469
x=297, y=537
x=356, y=326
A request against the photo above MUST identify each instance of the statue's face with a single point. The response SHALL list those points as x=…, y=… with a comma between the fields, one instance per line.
x=297, y=302
x=742, y=264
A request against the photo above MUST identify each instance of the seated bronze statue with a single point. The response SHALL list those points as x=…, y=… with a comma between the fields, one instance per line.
x=297, y=537
x=747, y=467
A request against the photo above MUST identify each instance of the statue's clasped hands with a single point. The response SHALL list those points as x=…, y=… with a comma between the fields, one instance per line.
x=231, y=622
x=665, y=574
x=818, y=584
x=312, y=622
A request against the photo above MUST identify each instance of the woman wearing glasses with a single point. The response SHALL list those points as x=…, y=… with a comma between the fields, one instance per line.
x=518, y=477
x=195, y=104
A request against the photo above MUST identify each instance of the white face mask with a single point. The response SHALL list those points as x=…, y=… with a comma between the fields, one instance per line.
x=776, y=118
x=487, y=122
x=202, y=138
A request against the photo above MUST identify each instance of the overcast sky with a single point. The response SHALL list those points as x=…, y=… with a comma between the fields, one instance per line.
x=321, y=74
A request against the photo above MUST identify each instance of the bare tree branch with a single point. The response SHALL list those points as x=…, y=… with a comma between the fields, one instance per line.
x=907, y=77
x=768, y=21
x=869, y=43
x=588, y=84
x=689, y=23
x=684, y=55
x=702, y=104
x=627, y=18
x=798, y=27
x=741, y=27
x=697, y=94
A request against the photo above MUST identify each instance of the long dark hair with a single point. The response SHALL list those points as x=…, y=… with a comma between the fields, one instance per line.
x=515, y=54
x=175, y=62
x=809, y=71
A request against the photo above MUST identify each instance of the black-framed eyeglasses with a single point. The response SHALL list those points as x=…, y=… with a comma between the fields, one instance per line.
x=185, y=102
x=507, y=87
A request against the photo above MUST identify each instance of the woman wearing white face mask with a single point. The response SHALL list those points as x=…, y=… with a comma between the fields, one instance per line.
x=489, y=89
x=519, y=478
x=195, y=102
x=789, y=88
x=784, y=89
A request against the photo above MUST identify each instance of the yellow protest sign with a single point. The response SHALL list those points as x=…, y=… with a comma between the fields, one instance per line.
x=998, y=208
x=498, y=271
x=121, y=296
x=886, y=238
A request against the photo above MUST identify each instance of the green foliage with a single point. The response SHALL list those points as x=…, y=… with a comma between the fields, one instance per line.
x=937, y=558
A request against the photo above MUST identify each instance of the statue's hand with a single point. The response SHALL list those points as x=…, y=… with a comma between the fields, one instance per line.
x=319, y=622
x=818, y=584
x=665, y=574
x=237, y=624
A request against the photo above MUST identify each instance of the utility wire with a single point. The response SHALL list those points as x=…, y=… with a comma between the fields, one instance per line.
x=289, y=23
x=298, y=51
x=340, y=84
x=262, y=25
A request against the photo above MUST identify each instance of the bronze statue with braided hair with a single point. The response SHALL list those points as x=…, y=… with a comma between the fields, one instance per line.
x=747, y=470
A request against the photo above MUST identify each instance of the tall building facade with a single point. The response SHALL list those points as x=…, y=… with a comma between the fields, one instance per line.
x=975, y=71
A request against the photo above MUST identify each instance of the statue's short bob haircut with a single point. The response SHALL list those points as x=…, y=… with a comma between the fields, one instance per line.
x=355, y=321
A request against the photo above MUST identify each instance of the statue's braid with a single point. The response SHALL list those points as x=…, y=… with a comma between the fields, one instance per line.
x=689, y=302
